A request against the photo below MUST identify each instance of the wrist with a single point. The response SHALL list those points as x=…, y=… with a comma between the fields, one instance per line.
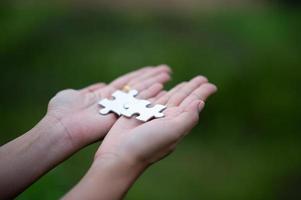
x=31, y=155
x=59, y=131
x=114, y=174
x=123, y=165
x=122, y=170
x=52, y=133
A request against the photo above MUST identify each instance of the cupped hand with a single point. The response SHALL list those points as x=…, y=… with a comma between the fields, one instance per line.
x=78, y=112
x=148, y=142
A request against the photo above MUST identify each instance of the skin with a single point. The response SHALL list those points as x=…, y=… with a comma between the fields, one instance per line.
x=131, y=147
x=71, y=123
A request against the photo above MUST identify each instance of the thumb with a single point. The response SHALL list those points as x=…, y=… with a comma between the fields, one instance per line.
x=190, y=117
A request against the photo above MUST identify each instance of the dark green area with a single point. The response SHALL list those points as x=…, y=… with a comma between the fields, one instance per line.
x=248, y=142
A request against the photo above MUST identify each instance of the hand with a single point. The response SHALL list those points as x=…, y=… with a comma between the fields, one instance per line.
x=131, y=146
x=72, y=121
x=78, y=112
x=145, y=143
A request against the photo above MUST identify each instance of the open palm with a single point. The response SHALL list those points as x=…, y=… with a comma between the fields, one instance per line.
x=150, y=141
x=77, y=110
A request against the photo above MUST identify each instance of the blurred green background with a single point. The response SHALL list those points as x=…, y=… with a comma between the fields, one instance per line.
x=248, y=142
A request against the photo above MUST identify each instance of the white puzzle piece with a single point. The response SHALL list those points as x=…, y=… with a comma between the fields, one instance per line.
x=126, y=104
x=141, y=108
x=116, y=105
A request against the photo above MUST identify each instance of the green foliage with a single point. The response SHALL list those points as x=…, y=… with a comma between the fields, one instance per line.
x=247, y=145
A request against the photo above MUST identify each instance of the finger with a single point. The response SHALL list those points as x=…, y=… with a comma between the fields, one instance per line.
x=109, y=89
x=92, y=88
x=160, y=78
x=158, y=96
x=105, y=92
x=155, y=71
x=164, y=98
x=185, y=91
x=155, y=81
x=123, y=80
x=120, y=82
x=201, y=93
x=185, y=121
x=190, y=115
x=150, y=92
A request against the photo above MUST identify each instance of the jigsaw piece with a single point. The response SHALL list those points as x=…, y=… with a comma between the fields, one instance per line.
x=117, y=104
x=141, y=107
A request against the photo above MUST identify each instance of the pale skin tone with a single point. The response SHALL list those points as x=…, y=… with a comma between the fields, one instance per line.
x=130, y=146
x=71, y=123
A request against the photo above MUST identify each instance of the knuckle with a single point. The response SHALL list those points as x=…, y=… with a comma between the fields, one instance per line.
x=197, y=95
x=183, y=93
